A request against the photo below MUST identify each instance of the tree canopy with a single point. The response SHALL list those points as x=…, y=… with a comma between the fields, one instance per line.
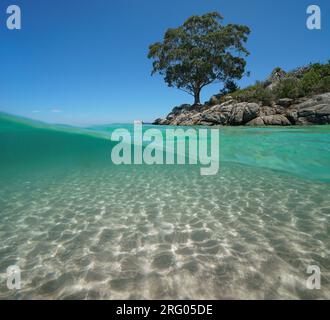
x=200, y=52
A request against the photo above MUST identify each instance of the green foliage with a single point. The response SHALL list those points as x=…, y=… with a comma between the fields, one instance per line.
x=324, y=85
x=200, y=52
x=229, y=87
x=255, y=93
x=310, y=81
x=288, y=88
x=264, y=95
x=314, y=79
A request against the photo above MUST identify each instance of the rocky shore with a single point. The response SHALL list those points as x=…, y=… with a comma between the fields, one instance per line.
x=284, y=112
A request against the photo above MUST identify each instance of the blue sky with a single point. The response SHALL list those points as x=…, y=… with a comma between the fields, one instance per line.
x=85, y=62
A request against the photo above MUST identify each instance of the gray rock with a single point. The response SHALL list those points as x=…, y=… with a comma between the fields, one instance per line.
x=256, y=122
x=243, y=112
x=251, y=111
x=322, y=110
x=279, y=109
x=237, y=114
x=322, y=99
x=275, y=78
x=313, y=119
x=225, y=107
x=212, y=118
x=292, y=116
x=274, y=120
x=313, y=110
x=286, y=102
x=161, y=122
x=180, y=109
x=228, y=98
x=267, y=111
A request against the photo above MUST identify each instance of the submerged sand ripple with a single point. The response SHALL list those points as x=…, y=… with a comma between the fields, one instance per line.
x=165, y=232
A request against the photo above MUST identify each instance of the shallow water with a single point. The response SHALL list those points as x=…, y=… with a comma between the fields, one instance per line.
x=81, y=228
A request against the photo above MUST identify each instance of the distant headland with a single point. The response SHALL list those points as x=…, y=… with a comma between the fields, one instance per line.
x=299, y=97
x=203, y=50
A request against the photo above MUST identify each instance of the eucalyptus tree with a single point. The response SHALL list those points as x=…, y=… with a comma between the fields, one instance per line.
x=200, y=52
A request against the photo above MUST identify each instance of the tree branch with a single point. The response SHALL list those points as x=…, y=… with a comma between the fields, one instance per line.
x=186, y=91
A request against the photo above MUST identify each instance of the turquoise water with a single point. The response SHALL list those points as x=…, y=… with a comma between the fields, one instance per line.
x=80, y=227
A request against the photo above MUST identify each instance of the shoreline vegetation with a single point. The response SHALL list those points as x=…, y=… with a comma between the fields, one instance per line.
x=299, y=97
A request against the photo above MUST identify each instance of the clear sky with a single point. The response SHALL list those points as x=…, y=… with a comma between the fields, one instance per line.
x=85, y=62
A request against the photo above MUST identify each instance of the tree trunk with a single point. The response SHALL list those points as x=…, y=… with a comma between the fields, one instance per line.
x=197, y=96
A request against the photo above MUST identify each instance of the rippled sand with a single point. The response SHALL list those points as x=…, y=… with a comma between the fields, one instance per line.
x=164, y=233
